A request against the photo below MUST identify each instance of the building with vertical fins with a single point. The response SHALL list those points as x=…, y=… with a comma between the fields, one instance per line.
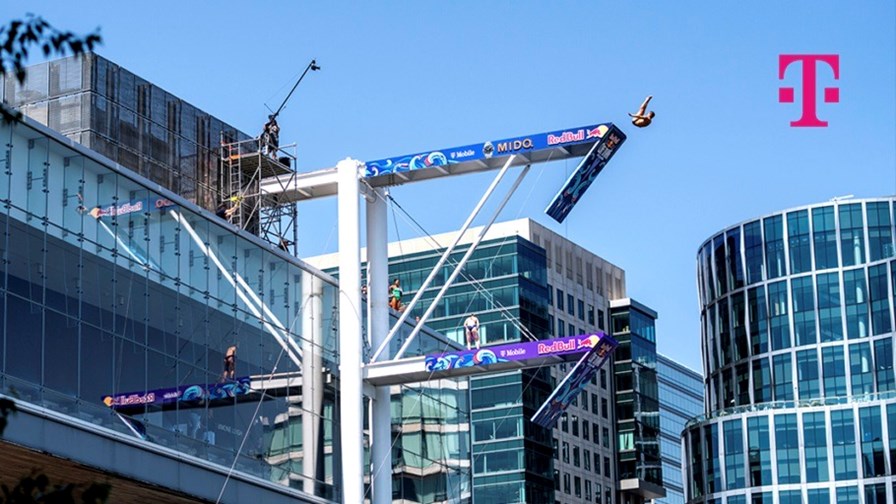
x=797, y=341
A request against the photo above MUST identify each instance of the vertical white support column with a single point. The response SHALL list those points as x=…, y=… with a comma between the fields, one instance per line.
x=377, y=328
x=351, y=404
x=312, y=379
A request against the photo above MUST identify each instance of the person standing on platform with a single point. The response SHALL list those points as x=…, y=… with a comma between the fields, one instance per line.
x=229, y=363
x=471, y=330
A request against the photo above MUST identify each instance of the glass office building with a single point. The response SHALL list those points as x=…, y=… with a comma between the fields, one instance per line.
x=131, y=121
x=797, y=323
x=681, y=398
x=115, y=291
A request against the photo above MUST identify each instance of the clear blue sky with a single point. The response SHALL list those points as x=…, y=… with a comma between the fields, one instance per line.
x=401, y=77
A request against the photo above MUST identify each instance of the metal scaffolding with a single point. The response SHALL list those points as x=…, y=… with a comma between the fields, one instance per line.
x=244, y=164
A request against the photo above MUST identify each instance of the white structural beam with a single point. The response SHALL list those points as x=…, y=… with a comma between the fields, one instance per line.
x=461, y=264
x=377, y=327
x=445, y=255
x=312, y=383
x=351, y=405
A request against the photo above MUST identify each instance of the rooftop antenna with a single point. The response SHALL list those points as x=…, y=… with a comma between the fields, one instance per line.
x=311, y=66
x=844, y=197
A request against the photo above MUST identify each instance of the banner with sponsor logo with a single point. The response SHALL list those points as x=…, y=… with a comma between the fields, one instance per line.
x=187, y=395
x=573, y=384
x=524, y=350
x=585, y=173
x=131, y=207
x=487, y=150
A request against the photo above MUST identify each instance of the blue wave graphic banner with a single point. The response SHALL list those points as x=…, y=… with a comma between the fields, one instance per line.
x=487, y=150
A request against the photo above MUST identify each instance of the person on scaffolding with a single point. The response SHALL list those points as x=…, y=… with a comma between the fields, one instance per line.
x=395, y=295
x=270, y=137
x=643, y=118
x=471, y=330
x=228, y=207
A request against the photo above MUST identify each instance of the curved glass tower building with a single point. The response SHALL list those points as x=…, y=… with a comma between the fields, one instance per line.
x=797, y=341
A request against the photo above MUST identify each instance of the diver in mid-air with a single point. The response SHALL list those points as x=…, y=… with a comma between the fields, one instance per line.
x=643, y=118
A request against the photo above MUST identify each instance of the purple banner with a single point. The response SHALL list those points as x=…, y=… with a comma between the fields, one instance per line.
x=524, y=350
x=192, y=395
x=574, y=382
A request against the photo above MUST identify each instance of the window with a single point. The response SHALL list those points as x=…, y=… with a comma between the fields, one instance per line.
x=570, y=304
x=594, y=433
x=778, y=321
x=774, y=247
x=586, y=457
x=594, y=404
x=753, y=251
x=576, y=460
x=734, y=454
x=604, y=408
x=830, y=323
x=575, y=426
x=760, y=455
x=556, y=446
x=577, y=487
x=581, y=306
x=860, y=368
x=825, y=238
x=883, y=358
x=550, y=295
x=597, y=464
x=603, y=379
x=588, y=490
x=566, y=485
x=872, y=444
x=787, y=448
x=585, y=429
x=783, y=377
x=564, y=423
x=600, y=319
x=591, y=315
x=844, y=440
x=807, y=374
x=803, y=298
x=798, y=236
x=880, y=239
x=559, y=299
x=816, y=452
x=565, y=453
x=834, y=371
x=605, y=436
x=852, y=234
x=880, y=300
x=607, y=471
x=855, y=293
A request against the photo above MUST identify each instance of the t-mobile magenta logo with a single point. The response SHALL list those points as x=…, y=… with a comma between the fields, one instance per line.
x=831, y=94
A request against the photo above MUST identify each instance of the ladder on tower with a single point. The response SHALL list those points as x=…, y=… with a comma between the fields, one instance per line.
x=230, y=152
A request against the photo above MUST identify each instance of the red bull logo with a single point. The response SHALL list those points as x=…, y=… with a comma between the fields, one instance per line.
x=589, y=342
x=597, y=132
